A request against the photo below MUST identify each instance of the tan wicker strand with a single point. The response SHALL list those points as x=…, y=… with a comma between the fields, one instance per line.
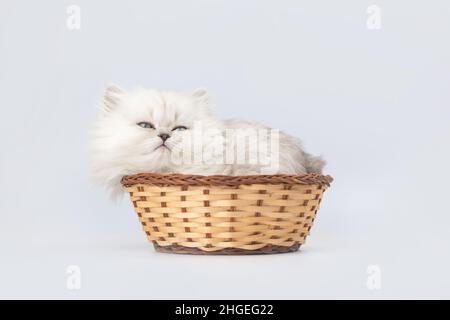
x=226, y=215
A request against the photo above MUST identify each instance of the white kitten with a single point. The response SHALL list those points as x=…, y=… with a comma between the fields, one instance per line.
x=169, y=132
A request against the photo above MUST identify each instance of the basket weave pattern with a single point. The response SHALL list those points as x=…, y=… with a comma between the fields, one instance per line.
x=226, y=215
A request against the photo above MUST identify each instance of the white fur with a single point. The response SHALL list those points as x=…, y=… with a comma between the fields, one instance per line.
x=120, y=147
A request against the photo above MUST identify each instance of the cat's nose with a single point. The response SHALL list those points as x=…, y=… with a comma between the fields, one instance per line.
x=164, y=136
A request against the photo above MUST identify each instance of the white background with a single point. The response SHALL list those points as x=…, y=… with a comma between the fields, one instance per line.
x=375, y=103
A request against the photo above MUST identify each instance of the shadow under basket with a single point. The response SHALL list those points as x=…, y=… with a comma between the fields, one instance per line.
x=226, y=214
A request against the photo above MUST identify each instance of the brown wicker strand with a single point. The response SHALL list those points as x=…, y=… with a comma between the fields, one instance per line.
x=158, y=179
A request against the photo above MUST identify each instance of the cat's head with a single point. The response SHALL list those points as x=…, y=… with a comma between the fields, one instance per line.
x=139, y=131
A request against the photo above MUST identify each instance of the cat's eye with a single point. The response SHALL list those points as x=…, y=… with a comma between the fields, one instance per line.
x=179, y=128
x=146, y=125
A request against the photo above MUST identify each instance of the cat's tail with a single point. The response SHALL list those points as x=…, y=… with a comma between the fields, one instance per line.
x=314, y=164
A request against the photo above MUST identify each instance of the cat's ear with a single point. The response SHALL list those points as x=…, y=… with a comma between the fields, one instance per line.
x=112, y=97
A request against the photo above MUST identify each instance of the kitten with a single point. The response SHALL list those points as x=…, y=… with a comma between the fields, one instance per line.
x=146, y=130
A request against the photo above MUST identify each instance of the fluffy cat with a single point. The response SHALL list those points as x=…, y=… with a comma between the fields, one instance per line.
x=147, y=130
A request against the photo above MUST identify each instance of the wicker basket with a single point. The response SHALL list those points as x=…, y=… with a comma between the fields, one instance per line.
x=226, y=214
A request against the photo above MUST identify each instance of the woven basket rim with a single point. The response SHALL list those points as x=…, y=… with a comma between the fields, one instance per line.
x=177, y=179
